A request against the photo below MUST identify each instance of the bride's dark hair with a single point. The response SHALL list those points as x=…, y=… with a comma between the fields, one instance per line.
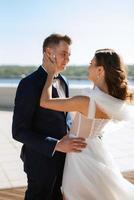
x=115, y=73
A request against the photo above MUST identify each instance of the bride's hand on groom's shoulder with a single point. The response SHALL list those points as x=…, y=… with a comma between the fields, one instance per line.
x=67, y=144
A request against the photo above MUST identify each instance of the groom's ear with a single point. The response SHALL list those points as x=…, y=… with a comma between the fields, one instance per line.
x=48, y=51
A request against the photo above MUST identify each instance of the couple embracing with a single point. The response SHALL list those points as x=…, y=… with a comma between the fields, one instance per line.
x=60, y=165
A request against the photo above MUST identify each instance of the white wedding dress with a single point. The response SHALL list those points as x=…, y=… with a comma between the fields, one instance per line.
x=92, y=174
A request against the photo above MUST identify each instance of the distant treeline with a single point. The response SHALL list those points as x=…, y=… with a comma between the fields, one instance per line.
x=72, y=72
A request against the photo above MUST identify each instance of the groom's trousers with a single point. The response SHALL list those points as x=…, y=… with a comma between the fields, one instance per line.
x=38, y=191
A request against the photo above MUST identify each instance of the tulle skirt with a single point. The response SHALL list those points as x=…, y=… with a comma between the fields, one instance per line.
x=93, y=175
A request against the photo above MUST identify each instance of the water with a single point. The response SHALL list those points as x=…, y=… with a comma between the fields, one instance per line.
x=72, y=83
x=5, y=82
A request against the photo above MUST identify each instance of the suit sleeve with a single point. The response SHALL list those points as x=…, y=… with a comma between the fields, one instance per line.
x=26, y=102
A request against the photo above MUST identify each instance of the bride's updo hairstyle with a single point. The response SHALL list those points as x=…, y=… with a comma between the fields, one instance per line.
x=115, y=73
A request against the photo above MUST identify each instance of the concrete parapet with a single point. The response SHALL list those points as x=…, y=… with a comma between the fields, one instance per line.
x=7, y=95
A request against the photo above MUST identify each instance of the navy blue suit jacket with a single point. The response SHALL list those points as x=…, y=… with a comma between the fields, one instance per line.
x=38, y=128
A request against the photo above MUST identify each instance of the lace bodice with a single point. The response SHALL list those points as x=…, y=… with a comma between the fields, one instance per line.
x=97, y=127
x=88, y=128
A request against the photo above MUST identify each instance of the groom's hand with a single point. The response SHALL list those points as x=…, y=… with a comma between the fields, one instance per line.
x=67, y=144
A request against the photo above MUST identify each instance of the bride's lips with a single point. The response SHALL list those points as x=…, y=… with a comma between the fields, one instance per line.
x=64, y=65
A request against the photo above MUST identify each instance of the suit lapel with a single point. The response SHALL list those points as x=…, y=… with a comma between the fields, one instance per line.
x=42, y=75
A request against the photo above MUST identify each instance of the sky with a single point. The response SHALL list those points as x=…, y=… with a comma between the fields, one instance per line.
x=24, y=24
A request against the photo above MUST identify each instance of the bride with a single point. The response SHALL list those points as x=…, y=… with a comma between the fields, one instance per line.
x=92, y=174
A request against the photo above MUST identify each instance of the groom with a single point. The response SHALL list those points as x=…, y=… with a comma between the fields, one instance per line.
x=43, y=131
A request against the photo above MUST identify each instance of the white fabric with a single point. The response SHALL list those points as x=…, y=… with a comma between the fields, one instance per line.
x=92, y=174
x=58, y=86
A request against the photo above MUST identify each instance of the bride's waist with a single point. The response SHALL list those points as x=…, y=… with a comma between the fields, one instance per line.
x=90, y=136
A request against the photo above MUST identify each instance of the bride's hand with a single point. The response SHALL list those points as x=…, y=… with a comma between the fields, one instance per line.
x=49, y=65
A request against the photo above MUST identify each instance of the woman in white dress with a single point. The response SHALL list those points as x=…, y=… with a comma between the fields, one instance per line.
x=92, y=173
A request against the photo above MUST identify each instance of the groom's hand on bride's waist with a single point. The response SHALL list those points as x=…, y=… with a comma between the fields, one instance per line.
x=67, y=144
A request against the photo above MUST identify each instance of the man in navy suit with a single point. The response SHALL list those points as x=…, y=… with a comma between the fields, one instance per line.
x=43, y=131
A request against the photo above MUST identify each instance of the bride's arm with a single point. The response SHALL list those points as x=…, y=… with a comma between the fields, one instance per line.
x=76, y=103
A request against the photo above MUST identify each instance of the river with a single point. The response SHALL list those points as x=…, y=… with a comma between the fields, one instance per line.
x=72, y=83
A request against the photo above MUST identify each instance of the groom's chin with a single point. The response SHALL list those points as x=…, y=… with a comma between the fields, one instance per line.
x=63, y=68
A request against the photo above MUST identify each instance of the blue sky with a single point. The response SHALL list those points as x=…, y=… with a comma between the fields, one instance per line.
x=91, y=25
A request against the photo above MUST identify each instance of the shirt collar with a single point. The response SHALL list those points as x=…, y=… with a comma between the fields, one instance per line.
x=56, y=75
x=43, y=68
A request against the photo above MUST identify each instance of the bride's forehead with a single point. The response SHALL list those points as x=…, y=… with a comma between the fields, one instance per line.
x=93, y=60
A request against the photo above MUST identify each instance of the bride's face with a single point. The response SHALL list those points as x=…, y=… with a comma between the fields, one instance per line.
x=92, y=70
x=95, y=73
